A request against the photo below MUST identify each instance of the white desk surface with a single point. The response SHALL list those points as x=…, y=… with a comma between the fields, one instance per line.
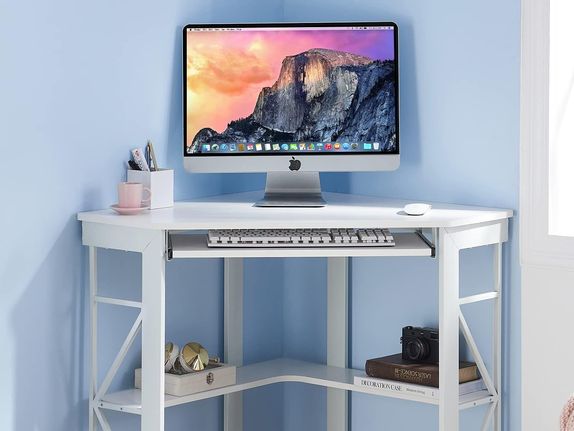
x=234, y=211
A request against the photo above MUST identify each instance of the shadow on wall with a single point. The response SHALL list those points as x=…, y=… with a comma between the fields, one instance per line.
x=410, y=127
x=48, y=387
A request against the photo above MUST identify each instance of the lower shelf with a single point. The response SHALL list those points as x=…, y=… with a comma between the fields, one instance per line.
x=280, y=371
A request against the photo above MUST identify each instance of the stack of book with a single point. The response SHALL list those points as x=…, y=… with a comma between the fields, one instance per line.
x=392, y=374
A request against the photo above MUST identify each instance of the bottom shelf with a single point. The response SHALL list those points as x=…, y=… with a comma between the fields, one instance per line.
x=281, y=371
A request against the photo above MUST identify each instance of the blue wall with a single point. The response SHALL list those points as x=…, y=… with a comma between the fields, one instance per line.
x=95, y=79
x=80, y=84
x=460, y=71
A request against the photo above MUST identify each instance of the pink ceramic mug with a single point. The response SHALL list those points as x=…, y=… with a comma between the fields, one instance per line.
x=130, y=195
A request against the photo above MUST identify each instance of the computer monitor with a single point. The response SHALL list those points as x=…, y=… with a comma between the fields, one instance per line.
x=291, y=100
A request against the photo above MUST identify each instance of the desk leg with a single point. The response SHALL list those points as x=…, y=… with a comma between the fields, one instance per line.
x=153, y=333
x=497, y=339
x=93, y=260
x=337, y=338
x=233, y=337
x=448, y=254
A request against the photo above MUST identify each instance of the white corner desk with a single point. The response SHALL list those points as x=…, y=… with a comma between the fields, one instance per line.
x=179, y=233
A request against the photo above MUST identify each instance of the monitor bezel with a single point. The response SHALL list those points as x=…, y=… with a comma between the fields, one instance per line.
x=262, y=162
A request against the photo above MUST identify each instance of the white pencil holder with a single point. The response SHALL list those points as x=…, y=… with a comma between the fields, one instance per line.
x=159, y=182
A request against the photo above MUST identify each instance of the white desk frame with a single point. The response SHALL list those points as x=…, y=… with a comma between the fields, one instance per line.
x=452, y=228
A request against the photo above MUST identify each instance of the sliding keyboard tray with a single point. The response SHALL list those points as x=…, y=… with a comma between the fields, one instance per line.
x=195, y=245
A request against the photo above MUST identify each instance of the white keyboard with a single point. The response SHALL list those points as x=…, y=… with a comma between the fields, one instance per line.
x=300, y=238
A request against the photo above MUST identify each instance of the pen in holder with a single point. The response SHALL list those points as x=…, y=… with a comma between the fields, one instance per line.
x=160, y=183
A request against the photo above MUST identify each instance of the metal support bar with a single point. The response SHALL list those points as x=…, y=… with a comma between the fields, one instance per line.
x=93, y=268
x=233, y=337
x=488, y=416
x=497, y=335
x=102, y=419
x=478, y=298
x=337, y=338
x=153, y=333
x=119, y=358
x=476, y=355
x=448, y=254
x=122, y=302
x=122, y=408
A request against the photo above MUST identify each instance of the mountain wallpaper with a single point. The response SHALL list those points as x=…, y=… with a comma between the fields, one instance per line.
x=318, y=94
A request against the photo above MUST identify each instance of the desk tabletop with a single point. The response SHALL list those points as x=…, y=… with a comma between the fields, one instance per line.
x=236, y=211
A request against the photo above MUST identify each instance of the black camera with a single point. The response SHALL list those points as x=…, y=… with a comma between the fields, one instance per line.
x=420, y=344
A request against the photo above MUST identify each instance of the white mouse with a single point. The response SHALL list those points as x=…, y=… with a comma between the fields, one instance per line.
x=417, y=209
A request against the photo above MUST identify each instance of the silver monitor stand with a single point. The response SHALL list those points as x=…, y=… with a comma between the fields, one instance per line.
x=292, y=189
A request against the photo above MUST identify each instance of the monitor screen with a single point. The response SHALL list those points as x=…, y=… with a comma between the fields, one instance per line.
x=287, y=89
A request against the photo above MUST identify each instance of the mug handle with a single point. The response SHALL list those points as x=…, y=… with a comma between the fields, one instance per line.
x=147, y=201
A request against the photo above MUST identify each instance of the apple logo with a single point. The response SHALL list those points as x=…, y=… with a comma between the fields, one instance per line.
x=294, y=164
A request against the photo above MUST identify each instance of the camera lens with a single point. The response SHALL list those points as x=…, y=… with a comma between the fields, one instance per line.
x=417, y=349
